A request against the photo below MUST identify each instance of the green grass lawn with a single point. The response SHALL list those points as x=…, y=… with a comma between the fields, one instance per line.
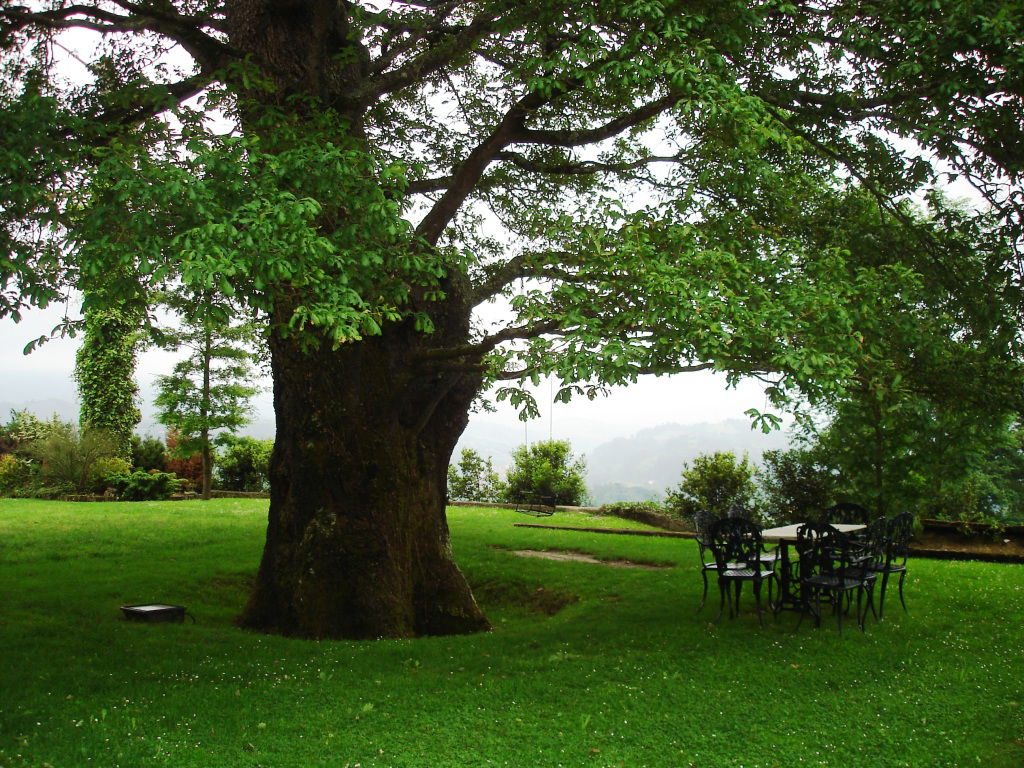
x=626, y=674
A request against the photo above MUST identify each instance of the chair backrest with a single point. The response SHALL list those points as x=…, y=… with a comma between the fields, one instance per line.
x=735, y=540
x=703, y=521
x=846, y=512
x=822, y=550
x=875, y=539
x=741, y=512
x=900, y=532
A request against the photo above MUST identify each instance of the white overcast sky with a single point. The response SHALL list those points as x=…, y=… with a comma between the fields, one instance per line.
x=46, y=374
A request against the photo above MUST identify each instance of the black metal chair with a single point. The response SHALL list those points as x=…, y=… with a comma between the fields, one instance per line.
x=703, y=521
x=737, y=547
x=769, y=557
x=888, y=552
x=827, y=571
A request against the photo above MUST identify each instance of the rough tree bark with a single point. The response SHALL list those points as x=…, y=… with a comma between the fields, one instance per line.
x=357, y=544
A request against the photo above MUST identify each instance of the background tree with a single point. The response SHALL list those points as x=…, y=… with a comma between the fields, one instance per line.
x=149, y=453
x=243, y=463
x=715, y=482
x=797, y=484
x=474, y=478
x=209, y=390
x=368, y=143
x=546, y=470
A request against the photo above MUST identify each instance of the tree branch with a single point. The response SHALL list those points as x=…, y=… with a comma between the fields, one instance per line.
x=610, y=129
x=435, y=57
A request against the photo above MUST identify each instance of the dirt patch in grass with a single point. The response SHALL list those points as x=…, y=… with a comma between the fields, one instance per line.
x=583, y=557
x=531, y=598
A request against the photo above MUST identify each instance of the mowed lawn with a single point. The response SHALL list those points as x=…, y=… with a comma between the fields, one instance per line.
x=623, y=673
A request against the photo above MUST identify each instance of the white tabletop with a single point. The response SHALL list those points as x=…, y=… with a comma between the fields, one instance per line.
x=788, y=532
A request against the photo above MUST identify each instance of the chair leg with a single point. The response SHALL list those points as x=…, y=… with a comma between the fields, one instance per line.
x=839, y=610
x=860, y=597
x=881, y=597
x=721, y=601
x=903, y=575
x=704, y=597
x=757, y=603
x=738, y=586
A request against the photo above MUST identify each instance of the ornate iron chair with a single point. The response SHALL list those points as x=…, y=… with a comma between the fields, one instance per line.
x=769, y=557
x=826, y=571
x=703, y=522
x=888, y=554
x=737, y=547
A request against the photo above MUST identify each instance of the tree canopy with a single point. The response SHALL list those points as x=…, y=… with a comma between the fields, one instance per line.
x=642, y=186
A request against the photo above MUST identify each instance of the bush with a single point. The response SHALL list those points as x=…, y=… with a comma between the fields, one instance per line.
x=243, y=464
x=473, y=478
x=16, y=474
x=716, y=482
x=145, y=486
x=25, y=428
x=68, y=458
x=547, y=470
x=105, y=470
x=149, y=453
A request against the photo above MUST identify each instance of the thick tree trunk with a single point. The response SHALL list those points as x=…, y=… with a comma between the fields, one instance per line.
x=357, y=543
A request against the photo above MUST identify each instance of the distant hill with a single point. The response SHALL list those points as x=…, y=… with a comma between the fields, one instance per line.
x=651, y=460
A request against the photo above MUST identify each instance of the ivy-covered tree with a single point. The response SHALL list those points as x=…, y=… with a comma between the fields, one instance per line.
x=369, y=144
x=105, y=374
x=210, y=389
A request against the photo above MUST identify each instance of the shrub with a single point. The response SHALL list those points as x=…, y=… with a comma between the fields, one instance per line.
x=16, y=474
x=715, y=482
x=473, y=478
x=243, y=464
x=546, y=469
x=106, y=469
x=145, y=486
x=25, y=428
x=68, y=458
x=149, y=453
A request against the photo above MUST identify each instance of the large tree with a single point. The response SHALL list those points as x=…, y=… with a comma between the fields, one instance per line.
x=367, y=174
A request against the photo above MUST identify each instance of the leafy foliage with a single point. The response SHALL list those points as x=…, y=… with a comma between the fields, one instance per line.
x=715, y=482
x=243, y=463
x=15, y=473
x=474, y=478
x=546, y=469
x=106, y=469
x=188, y=468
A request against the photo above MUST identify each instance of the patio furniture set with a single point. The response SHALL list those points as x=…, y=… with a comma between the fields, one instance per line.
x=834, y=564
